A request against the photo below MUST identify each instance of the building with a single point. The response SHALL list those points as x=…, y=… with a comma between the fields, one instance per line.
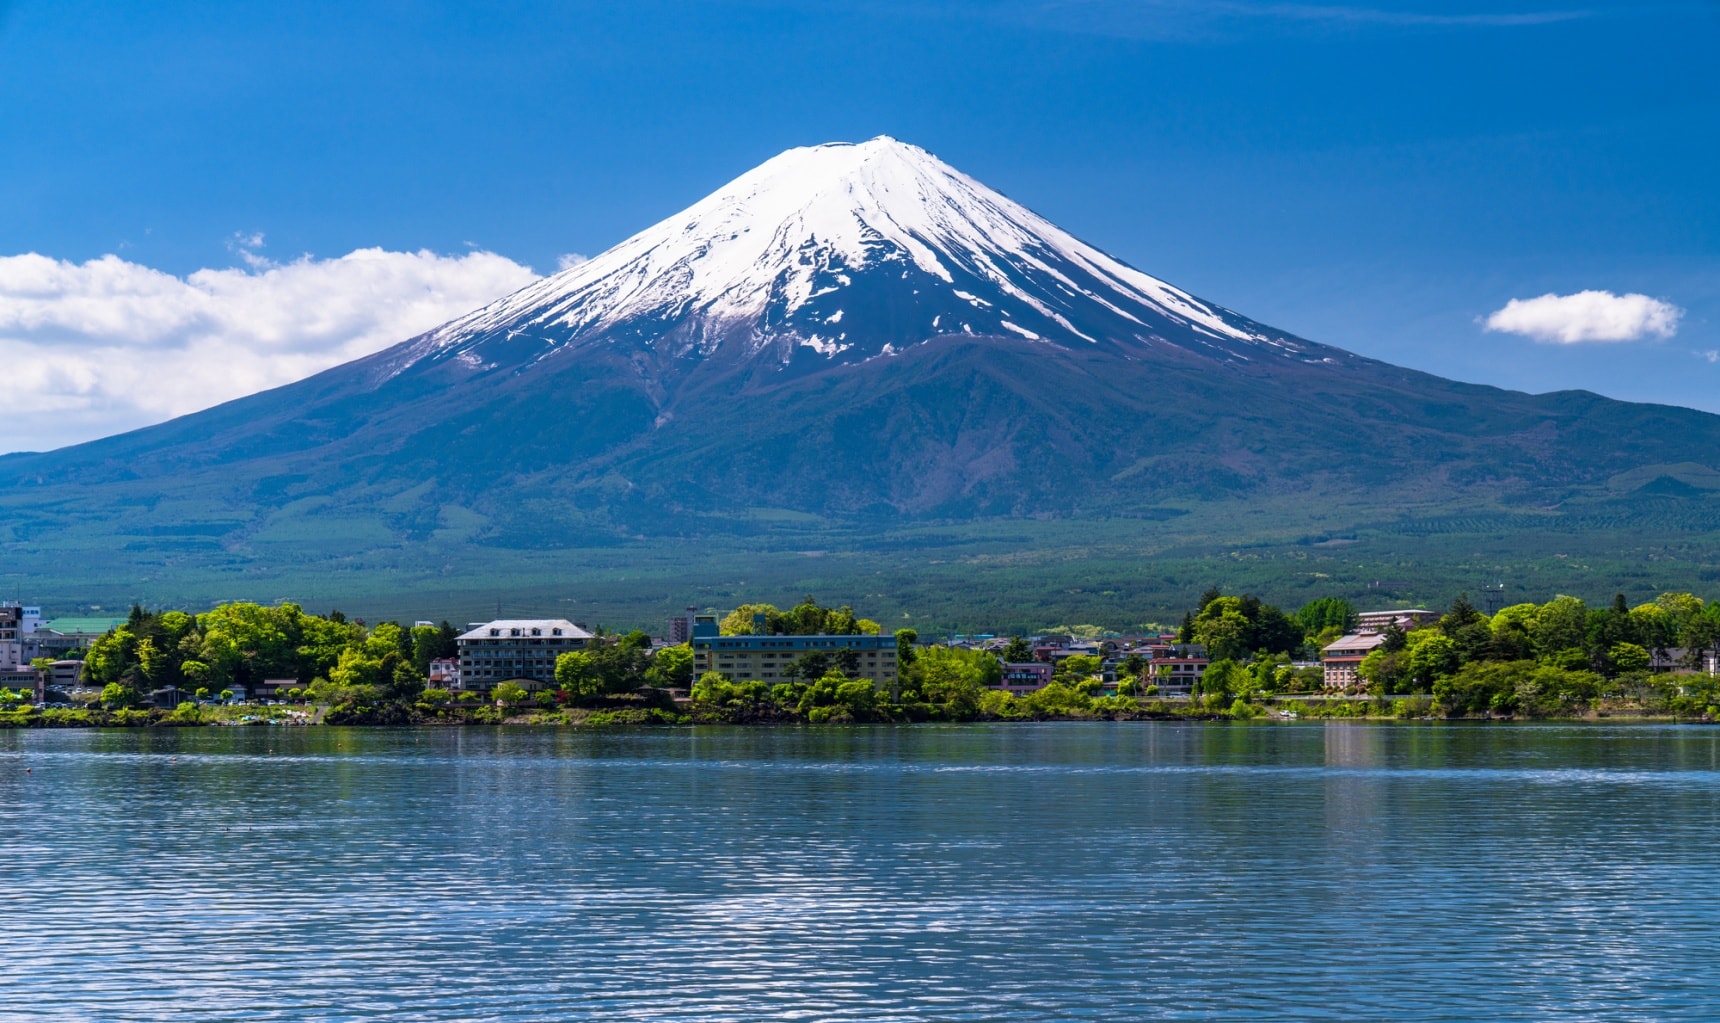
x=521, y=650
x=1021, y=679
x=681, y=627
x=1370, y=622
x=1173, y=667
x=445, y=672
x=766, y=658
x=65, y=675
x=18, y=626
x=1341, y=659
x=61, y=636
x=25, y=680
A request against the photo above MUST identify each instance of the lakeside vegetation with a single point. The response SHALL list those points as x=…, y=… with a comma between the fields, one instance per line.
x=1561, y=659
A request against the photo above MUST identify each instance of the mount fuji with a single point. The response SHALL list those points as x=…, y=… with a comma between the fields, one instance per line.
x=846, y=338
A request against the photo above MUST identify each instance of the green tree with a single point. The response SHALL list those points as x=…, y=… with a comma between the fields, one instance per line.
x=1384, y=671
x=1317, y=617
x=740, y=621
x=577, y=675
x=1627, y=657
x=1077, y=667
x=510, y=694
x=116, y=696
x=810, y=665
x=953, y=678
x=1018, y=651
x=906, y=640
x=671, y=668
x=1222, y=679
x=1430, y=656
x=1560, y=624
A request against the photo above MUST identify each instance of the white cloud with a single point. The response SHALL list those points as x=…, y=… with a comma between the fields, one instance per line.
x=1587, y=316
x=569, y=260
x=99, y=347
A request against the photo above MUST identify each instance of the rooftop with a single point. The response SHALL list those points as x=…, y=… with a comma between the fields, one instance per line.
x=545, y=627
x=1354, y=644
x=83, y=626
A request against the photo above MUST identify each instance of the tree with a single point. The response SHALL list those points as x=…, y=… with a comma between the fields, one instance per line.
x=1560, y=624
x=742, y=620
x=116, y=696
x=577, y=675
x=1317, y=616
x=1234, y=628
x=510, y=694
x=671, y=668
x=905, y=646
x=1077, y=666
x=226, y=696
x=952, y=677
x=1430, y=656
x=1017, y=651
x=1384, y=671
x=1461, y=615
x=1627, y=657
x=433, y=642
x=810, y=665
x=1222, y=680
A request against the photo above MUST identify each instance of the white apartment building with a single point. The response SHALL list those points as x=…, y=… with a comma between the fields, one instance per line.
x=521, y=650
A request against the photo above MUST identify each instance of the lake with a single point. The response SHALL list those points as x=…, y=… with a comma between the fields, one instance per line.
x=1058, y=871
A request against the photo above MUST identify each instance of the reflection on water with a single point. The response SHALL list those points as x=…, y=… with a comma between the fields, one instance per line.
x=1022, y=872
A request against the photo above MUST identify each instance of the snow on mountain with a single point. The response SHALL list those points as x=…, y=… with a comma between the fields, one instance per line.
x=852, y=251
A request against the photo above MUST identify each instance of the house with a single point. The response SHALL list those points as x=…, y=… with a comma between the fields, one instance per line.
x=1341, y=659
x=1021, y=679
x=167, y=697
x=520, y=650
x=766, y=658
x=1680, y=659
x=445, y=672
x=1174, y=667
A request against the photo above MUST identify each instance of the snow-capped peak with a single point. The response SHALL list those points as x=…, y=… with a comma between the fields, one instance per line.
x=876, y=244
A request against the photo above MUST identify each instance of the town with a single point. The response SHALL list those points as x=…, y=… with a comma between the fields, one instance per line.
x=1232, y=655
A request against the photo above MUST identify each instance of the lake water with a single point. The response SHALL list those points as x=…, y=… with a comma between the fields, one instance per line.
x=1013, y=872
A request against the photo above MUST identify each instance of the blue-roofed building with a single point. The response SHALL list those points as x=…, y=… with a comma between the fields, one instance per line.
x=765, y=658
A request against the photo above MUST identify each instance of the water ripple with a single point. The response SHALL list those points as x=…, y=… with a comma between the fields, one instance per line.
x=1050, y=872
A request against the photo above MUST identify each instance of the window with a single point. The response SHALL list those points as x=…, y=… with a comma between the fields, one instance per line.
x=495, y=632
x=555, y=632
x=537, y=632
x=513, y=632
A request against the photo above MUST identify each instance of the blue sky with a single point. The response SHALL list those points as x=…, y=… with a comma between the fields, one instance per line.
x=1380, y=176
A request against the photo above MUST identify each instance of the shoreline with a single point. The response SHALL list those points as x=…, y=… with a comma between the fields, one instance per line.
x=1375, y=711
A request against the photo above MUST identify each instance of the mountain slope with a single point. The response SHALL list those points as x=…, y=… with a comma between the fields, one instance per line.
x=854, y=333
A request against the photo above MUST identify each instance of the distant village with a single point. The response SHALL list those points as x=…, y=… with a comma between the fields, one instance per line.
x=47, y=660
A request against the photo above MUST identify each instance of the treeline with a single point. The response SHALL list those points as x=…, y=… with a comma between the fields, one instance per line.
x=237, y=646
x=1553, y=657
x=933, y=683
x=361, y=672
x=808, y=618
